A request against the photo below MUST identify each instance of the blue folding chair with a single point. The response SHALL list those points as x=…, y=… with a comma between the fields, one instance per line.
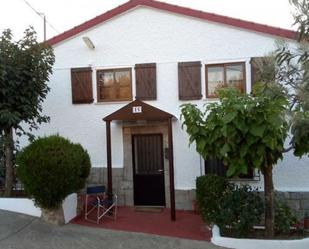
x=99, y=204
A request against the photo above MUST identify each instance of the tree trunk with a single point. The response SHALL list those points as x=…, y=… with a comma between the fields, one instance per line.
x=269, y=202
x=8, y=155
x=53, y=216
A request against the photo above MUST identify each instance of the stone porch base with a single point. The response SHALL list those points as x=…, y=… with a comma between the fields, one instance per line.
x=124, y=189
x=298, y=201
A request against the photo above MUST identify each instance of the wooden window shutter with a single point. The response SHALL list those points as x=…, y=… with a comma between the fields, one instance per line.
x=253, y=63
x=146, y=81
x=189, y=80
x=260, y=68
x=81, y=81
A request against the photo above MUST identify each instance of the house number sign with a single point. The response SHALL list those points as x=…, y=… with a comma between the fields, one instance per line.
x=137, y=109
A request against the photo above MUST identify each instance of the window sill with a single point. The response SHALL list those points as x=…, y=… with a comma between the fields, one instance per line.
x=210, y=100
x=113, y=102
x=254, y=179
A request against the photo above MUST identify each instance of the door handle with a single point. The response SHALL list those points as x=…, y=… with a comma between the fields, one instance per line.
x=160, y=170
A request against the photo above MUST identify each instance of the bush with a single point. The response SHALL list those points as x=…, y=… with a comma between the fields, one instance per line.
x=241, y=209
x=210, y=191
x=236, y=209
x=2, y=162
x=51, y=168
x=284, y=217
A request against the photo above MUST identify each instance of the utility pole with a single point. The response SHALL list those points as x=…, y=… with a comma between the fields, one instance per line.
x=40, y=14
x=44, y=23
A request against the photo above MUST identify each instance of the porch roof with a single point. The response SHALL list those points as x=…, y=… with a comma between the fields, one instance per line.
x=139, y=110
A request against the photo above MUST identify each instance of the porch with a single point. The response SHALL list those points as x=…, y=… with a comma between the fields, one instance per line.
x=188, y=224
x=148, y=155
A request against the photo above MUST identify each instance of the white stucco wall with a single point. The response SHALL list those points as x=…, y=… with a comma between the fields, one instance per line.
x=20, y=205
x=27, y=206
x=69, y=206
x=146, y=35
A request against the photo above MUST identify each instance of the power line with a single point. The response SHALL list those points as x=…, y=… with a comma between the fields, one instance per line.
x=42, y=15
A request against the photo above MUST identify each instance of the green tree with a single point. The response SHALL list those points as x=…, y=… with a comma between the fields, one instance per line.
x=289, y=67
x=292, y=65
x=250, y=131
x=25, y=67
x=242, y=131
x=51, y=168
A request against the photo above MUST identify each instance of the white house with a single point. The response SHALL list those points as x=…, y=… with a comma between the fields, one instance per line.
x=163, y=55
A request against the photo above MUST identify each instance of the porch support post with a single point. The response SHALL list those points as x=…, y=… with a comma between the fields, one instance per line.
x=171, y=168
x=109, y=157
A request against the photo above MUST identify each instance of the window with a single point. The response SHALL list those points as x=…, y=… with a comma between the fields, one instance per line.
x=81, y=83
x=216, y=167
x=114, y=84
x=217, y=76
x=189, y=80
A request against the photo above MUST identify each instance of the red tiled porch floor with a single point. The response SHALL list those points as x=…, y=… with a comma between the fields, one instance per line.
x=188, y=225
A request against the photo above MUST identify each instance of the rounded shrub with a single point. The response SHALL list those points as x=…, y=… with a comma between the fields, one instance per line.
x=51, y=168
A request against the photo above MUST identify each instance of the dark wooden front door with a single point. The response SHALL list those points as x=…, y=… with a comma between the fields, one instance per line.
x=148, y=170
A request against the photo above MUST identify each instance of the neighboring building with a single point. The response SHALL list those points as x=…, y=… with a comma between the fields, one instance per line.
x=164, y=55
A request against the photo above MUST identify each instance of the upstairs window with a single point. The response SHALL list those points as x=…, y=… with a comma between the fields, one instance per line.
x=114, y=85
x=225, y=75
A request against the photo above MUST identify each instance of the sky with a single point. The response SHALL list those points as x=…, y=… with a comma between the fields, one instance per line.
x=62, y=15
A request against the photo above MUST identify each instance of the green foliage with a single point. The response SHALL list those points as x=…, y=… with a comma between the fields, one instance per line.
x=2, y=161
x=231, y=207
x=301, y=17
x=210, y=191
x=293, y=73
x=265, y=69
x=284, y=217
x=240, y=130
x=52, y=168
x=236, y=209
x=243, y=131
x=300, y=132
x=25, y=67
x=241, y=209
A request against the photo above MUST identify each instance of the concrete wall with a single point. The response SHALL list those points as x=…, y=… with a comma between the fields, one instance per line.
x=298, y=201
x=20, y=205
x=146, y=35
x=257, y=243
x=27, y=206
